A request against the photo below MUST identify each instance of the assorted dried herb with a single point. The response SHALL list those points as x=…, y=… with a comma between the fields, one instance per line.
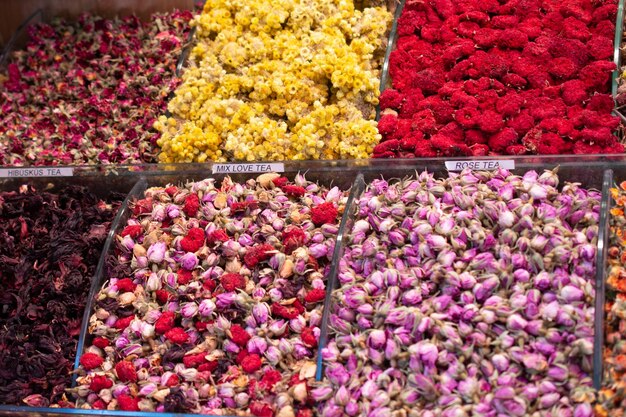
x=88, y=92
x=51, y=245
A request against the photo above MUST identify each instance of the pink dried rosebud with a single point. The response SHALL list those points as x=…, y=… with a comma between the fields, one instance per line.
x=156, y=252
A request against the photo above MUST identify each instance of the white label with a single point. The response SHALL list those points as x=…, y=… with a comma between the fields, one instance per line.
x=247, y=168
x=480, y=165
x=36, y=172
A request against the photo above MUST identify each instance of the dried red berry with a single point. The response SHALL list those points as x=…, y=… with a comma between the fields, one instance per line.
x=126, y=285
x=128, y=403
x=133, y=231
x=251, y=363
x=257, y=254
x=124, y=322
x=325, y=213
x=99, y=382
x=165, y=323
x=192, y=204
x=238, y=335
x=101, y=342
x=91, y=360
x=308, y=338
x=231, y=281
x=315, y=295
x=126, y=372
x=177, y=335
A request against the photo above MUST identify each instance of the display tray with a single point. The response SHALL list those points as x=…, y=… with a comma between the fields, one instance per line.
x=591, y=172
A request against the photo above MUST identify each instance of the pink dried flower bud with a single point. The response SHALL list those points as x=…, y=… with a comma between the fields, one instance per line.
x=153, y=283
x=257, y=345
x=156, y=252
x=206, y=308
x=189, y=310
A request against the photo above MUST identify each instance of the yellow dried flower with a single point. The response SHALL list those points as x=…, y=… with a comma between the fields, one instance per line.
x=287, y=79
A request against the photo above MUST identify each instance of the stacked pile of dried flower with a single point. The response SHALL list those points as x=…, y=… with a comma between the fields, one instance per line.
x=612, y=398
x=88, y=92
x=487, y=77
x=468, y=295
x=279, y=80
x=51, y=245
x=214, y=301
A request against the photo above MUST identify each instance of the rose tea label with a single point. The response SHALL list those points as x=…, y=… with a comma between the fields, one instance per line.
x=36, y=172
x=480, y=165
x=247, y=168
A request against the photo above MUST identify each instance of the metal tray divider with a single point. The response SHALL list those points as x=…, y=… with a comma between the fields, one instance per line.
x=348, y=216
x=617, y=43
x=600, y=284
x=117, y=224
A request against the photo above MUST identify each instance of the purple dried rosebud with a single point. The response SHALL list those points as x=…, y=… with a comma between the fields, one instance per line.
x=230, y=346
x=504, y=393
x=225, y=300
x=558, y=373
x=206, y=307
x=342, y=396
x=337, y=374
x=297, y=324
x=376, y=339
x=570, y=293
x=153, y=283
x=273, y=355
x=583, y=410
x=189, y=261
x=261, y=312
x=548, y=400
x=436, y=242
x=277, y=327
x=321, y=393
x=189, y=309
x=411, y=297
x=318, y=250
x=515, y=322
x=535, y=362
x=156, y=252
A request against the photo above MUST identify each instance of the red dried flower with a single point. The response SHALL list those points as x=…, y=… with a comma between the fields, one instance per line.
x=390, y=99
x=165, y=322
x=99, y=382
x=194, y=360
x=192, y=204
x=128, y=403
x=217, y=236
x=251, y=363
x=293, y=190
x=209, y=284
x=241, y=356
x=288, y=311
x=172, y=381
x=280, y=181
x=305, y=412
x=257, y=254
x=387, y=146
x=491, y=122
x=133, y=231
x=503, y=139
x=126, y=285
x=126, y=372
x=193, y=241
x=238, y=335
x=142, y=207
x=122, y=323
x=325, y=213
x=91, y=360
x=177, y=335
x=596, y=75
x=270, y=378
x=101, y=342
x=232, y=281
x=171, y=191
x=308, y=338
x=184, y=277
x=293, y=237
x=315, y=295
x=98, y=405
x=162, y=296
x=261, y=409
x=209, y=366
